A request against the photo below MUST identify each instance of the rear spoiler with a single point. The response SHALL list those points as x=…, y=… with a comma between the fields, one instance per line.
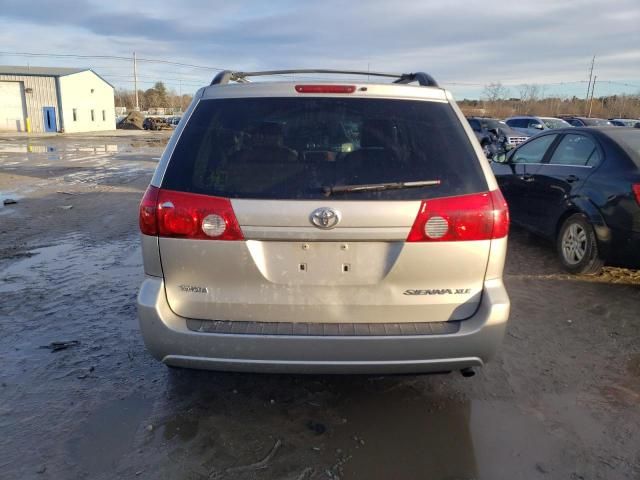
x=423, y=79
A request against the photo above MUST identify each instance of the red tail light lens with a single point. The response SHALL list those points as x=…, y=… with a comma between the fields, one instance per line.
x=148, y=217
x=500, y=214
x=636, y=191
x=325, y=88
x=188, y=215
x=480, y=216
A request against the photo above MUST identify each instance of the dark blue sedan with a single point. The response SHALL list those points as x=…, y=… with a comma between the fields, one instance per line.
x=579, y=187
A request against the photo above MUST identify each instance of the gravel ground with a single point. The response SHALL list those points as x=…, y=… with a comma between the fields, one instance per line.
x=561, y=401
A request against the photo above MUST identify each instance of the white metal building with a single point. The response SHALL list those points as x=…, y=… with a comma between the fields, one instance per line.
x=44, y=99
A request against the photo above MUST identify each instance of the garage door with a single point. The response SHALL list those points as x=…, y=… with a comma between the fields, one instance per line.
x=11, y=107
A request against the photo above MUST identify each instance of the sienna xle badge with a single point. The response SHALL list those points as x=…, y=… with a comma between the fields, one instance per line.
x=323, y=227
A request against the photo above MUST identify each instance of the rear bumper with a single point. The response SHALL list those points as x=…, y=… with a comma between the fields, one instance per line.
x=168, y=338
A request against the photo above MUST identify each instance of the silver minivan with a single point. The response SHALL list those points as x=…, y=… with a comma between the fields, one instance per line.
x=323, y=227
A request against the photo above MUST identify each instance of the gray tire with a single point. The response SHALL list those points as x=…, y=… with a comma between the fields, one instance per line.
x=577, y=246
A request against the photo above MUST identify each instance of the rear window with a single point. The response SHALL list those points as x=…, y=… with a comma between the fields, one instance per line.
x=596, y=122
x=493, y=124
x=555, y=123
x=518, y=122
x=290, y=148
x=629, y=140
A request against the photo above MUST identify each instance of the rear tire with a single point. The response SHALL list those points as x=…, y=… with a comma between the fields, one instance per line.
x=577, y=246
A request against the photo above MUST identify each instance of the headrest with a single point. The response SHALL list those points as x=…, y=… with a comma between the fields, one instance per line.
x=378, y=133
x=269, y=129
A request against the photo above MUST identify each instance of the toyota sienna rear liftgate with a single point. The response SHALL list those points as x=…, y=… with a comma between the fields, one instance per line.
x=323, y=210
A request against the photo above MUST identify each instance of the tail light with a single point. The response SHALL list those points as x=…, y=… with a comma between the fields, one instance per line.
x=168, y=213
x=481, y=216
x=325, y=88
x=636, y=191
x=148, y=217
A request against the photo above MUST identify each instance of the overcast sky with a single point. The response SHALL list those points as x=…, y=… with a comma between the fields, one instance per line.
x=463, y=44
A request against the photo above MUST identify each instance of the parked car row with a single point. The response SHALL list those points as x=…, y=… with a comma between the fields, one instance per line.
x=499, y=136
x=160, y=123
x=531, y=126
x=625, y=122
x=495, y=136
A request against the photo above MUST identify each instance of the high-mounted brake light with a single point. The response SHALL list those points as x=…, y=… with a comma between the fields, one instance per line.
x=325, y=88
x=480, y=216
x=168, y=213
x=636, y=191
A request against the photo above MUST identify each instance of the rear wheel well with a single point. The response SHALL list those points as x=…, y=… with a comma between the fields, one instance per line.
x=563, y=217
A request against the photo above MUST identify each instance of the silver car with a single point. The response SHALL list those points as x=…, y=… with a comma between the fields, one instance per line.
x=298, y=226
x=532, y=126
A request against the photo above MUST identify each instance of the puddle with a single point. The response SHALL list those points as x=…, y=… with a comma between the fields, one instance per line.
x=108, y=434
x=180, y=426
x=404, y=435
x=13, y=148
x=71, y=259
x=20, y=274
x=89, y=161
x=9, y=195
x=394, y=437
x=65, y=147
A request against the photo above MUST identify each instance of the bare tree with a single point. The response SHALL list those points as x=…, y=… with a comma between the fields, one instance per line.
x=533, y=102
x=529, y=92
x=124, y=98
x=529, y=95
x=495, y=91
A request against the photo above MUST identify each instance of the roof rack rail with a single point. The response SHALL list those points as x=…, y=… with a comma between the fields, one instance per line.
x=423, y=79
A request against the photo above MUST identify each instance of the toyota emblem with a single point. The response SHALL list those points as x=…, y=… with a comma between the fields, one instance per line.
x=325, y=218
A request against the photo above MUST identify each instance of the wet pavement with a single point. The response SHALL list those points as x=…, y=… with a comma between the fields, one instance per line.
x=561, y=400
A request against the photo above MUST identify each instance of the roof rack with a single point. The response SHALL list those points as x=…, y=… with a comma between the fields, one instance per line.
x=424, y=79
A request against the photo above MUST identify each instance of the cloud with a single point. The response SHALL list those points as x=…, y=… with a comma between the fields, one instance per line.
x=457, y=41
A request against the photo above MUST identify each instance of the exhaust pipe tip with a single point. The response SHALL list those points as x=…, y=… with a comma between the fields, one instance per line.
x=468, y=372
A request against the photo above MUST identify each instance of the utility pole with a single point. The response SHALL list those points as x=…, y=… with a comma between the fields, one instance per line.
x=593, y=87
x=593, y=61
x=135, y=80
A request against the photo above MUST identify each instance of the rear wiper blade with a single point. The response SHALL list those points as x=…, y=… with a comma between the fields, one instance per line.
x=367, y=187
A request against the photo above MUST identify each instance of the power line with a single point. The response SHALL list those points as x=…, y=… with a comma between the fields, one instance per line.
x=110, y=57
x=213, y=68
x=62, y=55
x=619, y=83
x=196, y=85
x=163, y=79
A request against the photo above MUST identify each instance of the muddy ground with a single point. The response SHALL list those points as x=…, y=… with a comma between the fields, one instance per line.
x=561, y=401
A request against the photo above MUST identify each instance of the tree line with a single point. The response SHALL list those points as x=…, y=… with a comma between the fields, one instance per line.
x=157, y=96
x=496, y=102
